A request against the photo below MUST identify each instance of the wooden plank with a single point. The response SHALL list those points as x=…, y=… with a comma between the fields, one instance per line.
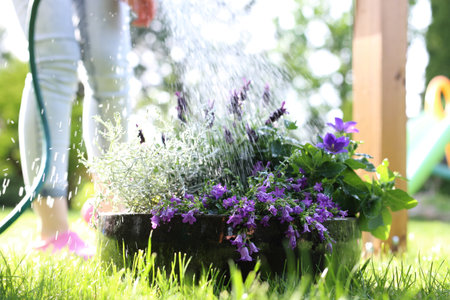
x=379, y=58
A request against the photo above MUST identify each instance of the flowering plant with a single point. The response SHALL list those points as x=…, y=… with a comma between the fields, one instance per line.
x=299, y=184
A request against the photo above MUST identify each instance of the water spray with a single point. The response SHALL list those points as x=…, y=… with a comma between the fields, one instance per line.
x=46, y=145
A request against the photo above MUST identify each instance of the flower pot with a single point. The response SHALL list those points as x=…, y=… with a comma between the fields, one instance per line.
x=207, y=242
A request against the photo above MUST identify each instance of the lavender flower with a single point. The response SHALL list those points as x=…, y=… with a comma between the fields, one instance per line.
x=342, y=127
x=235, y=105
x=334, y=145
x=277, y=114
x=245, y=88
x=228, y=136
x=266, y=95
x=182, y=107
x=252, y=135
x=140, y=135
x=189, y=217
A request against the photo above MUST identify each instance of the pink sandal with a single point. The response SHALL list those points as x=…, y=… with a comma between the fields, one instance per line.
x=68, y=240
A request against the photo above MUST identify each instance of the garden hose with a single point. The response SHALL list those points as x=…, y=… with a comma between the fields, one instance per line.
x=45, y=163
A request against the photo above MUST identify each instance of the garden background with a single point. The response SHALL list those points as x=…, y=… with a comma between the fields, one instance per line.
x=311, y=39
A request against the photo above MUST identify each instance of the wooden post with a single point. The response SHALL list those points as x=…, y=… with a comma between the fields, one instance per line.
x=379, y=58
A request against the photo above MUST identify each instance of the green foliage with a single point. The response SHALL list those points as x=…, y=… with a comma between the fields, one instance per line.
x=438, y=40
x=12, y=79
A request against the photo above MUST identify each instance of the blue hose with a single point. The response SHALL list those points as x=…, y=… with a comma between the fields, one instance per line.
x=46, y=145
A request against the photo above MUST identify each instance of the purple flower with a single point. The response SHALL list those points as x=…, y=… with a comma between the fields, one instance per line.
x=235, y=219
x=264, y=197
x=277, y=114
x=189, y=217
x=253, y=248
x=229, y=202
x=228, y=136
x=273, y=210
x=167, y=214
x=175, y=200
x=251, y=133
x=293, y=235
x=297, y=210
x=318, y=187
x=251, y=223
x=343, y=213
x=189, y=197
x=342, y=127
x=239, y=240
x=307, y=202
x=285, y=214
x=306, y=228
x=265, y=221
x=182, y=107
x=278, y=193
x=155, y=221
x=258, y=167
x=218, y=190
x=266, y=94
x=334, y=145
x=244, y=254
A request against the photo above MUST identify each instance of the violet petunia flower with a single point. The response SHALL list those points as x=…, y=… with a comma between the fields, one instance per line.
x=343, y=127
x=334, y=145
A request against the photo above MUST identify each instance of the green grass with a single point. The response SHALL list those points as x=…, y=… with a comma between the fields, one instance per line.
x=421, y=273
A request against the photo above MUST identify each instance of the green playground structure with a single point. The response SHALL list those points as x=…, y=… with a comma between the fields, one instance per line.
x=428, y=136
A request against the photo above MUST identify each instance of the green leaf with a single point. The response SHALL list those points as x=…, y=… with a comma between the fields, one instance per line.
x=354, y=182
x=398, y=199
x=385, y=175
x=378, y=226
x=290, y=125
x=330, y=169
x=372, y=207
x=355, y=164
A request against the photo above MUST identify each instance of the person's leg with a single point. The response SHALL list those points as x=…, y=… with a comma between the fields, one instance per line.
x=57, y=55
x=106, y=43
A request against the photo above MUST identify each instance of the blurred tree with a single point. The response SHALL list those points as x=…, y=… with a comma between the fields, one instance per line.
x=317, y=51
x=438, y=40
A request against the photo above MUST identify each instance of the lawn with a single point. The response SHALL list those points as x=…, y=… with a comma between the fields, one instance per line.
x=421, y=273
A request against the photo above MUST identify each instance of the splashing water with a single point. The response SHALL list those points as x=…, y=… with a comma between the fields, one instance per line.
x=212, y=45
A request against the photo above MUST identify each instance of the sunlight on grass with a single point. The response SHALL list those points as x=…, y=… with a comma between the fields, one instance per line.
x=421, y=273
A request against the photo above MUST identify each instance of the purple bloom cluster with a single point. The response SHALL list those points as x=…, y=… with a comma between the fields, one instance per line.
x=244, y=246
